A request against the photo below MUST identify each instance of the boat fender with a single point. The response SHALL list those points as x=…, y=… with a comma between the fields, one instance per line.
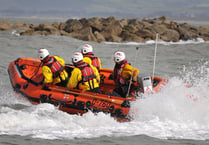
x=88, y=104
x=25, y=86
x=118, y=112
x=111, y=108
x=74, y=101
x=125, y=104
x=156, y=82
x=80, y=104
x=46, y=88
x=17, y=87
x=49, y=97
x=22, y=67
x=43, y=98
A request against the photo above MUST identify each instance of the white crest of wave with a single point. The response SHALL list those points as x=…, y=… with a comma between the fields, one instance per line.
x=46, y=121
x=193, y=41
x=178, y=110
x=15, y=33
x=177, y=103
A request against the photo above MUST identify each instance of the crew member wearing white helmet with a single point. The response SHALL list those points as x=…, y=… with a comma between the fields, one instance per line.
x=122, y=74
x=84, y=76
x=53, y=68
x=88, y=56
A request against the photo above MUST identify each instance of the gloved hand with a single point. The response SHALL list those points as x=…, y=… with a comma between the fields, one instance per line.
x=41, y=83
x=110, y=77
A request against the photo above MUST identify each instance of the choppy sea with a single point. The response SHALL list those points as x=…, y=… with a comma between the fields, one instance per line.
x=165, y=118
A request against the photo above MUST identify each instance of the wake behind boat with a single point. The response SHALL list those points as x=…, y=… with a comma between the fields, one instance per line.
x=26, y=77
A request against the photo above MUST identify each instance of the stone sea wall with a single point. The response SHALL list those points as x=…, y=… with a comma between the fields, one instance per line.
x=113, y=30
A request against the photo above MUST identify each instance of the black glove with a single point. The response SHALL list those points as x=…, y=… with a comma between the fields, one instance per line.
x=110, y=77
x=41, y=82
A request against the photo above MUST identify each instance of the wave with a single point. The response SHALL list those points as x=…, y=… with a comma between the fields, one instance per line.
x=177, y=112
x=168, y=114
x=194, y=41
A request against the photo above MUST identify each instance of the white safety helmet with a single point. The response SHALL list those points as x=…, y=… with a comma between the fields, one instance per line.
x=77, y=56
x=43, y=53
x=86, y=48
x=119, y=56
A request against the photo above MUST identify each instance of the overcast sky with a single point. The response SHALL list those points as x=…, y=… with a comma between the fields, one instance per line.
x=89, y=8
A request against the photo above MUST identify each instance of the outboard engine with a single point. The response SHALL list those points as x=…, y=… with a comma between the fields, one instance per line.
x=145, y=82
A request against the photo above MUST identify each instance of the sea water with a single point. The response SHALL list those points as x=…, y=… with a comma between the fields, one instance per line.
x=178, y=114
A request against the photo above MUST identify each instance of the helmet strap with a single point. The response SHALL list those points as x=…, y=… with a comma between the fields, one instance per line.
x=77, y=63
x=46, y=59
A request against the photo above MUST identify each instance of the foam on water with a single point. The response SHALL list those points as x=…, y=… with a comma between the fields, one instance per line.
x=178, y=111
x=194, y=41
x=172, y=113
x=175, y=112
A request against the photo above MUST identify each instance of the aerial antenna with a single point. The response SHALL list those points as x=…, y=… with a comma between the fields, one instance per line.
x=153, y=72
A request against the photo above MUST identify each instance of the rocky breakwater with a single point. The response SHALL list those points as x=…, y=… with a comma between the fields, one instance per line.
x=110, y=29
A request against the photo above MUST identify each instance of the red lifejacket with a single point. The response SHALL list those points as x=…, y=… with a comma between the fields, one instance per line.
x=119, y=79
x=54, y=65
x=95, y=61
x=86, y=70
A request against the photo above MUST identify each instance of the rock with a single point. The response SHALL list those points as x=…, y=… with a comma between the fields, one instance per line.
x=73, y=25
x=5, y=25
x=123, y=22
x=187, y=32
x=137, y=23
x=63, y=33
x=110, y=29
x=21, y=26
x=170, y=24
x=62, y=26
x=85, y=34
x=165, y=34
x=130, y=37
x=114, y=38
x=95, y=23
x=56, y=25
x=203, y=32
x=46, y=29
x=27, y=32
x=130, y=28
x=146, y=34
x=99, y=37
x=170, y=35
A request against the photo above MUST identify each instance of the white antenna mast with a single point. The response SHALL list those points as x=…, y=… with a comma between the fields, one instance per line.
x=153, y=73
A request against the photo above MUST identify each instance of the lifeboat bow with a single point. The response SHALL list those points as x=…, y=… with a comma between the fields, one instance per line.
x=26, y=77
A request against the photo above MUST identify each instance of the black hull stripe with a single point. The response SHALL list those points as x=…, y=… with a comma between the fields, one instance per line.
x=56, y=103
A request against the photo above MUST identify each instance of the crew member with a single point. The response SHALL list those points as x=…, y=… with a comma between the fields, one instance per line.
x=53, y=68
x=123, y=74
x=84, y=76
x=88, y=56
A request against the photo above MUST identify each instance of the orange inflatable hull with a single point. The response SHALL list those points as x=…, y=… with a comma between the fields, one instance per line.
x=25, y=75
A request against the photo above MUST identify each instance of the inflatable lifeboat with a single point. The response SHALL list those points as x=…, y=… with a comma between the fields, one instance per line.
x=26, y=77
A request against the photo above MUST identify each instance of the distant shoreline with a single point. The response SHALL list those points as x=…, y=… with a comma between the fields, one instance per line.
x=51, y=19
